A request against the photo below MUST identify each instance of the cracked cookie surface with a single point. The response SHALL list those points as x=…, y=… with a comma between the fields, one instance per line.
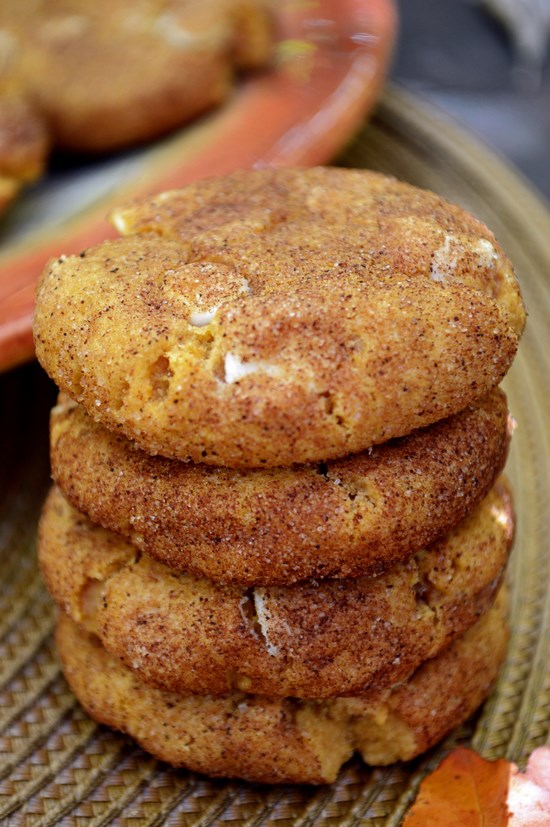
x=311, y=640
x=281, y=316
x=277, y=740
x=342, y=518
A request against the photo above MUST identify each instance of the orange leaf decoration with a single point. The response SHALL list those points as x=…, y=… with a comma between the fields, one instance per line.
x=469, y=791
x=464, y=790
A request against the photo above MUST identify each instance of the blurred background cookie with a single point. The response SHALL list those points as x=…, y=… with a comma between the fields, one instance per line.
x=96, y=77
x=24, y=139
x=106, y=75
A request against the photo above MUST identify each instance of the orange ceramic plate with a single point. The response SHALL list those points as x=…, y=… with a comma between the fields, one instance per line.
x=331, y=60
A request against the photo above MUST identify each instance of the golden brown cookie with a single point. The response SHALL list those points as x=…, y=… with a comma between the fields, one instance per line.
x=266, y=526
x=277, y=740
x=313, y=640
x=106, y=75
x=281, y=316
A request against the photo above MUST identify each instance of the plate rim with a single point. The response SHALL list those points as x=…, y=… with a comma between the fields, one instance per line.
x=306, y=107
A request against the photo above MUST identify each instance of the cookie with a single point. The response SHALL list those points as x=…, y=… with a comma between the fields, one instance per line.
x=280, y=316
x=312, y=640
x=277, y=740
x=23, y=140
x=106, y=75
x=343, y=518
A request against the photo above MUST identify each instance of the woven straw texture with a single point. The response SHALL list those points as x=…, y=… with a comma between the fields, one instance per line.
x=58, y=767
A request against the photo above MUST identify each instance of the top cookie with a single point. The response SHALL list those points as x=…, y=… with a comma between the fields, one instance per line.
x=280, y=316
x=109, y=74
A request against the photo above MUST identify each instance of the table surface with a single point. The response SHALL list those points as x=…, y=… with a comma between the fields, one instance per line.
x=459, y=57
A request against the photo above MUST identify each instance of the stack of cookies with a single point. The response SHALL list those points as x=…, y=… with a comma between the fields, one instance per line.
x=279, y=533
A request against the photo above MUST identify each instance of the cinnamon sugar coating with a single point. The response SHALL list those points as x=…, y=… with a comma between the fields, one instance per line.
x=342, y=518
x=281, y=316
x=312, y=640
x=279, y=740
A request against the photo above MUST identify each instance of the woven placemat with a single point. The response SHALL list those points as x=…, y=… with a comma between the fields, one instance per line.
x=58, y=767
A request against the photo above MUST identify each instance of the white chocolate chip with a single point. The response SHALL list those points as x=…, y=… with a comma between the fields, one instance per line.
x=201, y=319
x=487, y=253
x=119, y=221
x=263, y=622
x=444, y=260
x=235, y=369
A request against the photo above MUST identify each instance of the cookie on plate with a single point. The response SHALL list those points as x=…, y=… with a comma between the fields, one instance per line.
x=24, y=140
x=281, y=316
x=106, y=75
x=311, y=640
x=276, y=740
x=342, y=518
